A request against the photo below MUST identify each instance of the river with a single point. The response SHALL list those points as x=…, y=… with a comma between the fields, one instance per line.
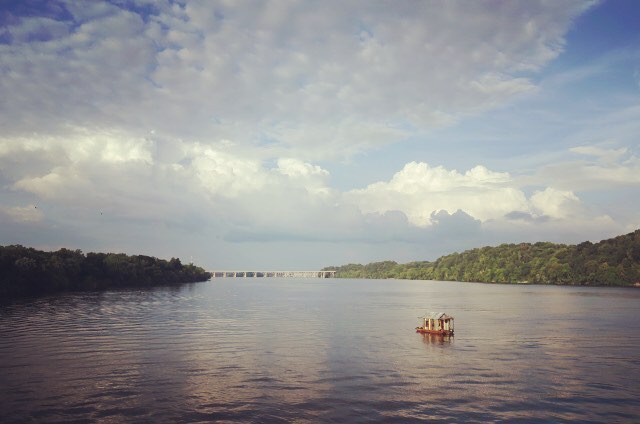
x=322, y=350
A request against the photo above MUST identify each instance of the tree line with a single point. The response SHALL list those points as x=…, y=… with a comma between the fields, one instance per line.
x=612, y=262
x=29, y=272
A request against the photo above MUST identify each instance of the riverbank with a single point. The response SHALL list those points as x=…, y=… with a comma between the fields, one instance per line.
x=27, y=272
x=611, y=262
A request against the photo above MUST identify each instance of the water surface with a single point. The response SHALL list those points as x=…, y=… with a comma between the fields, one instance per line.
x=313, y=350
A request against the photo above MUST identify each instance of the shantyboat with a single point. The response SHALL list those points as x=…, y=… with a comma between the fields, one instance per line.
x=436, y=323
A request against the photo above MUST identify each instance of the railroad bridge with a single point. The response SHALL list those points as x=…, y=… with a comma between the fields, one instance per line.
x=271, y=274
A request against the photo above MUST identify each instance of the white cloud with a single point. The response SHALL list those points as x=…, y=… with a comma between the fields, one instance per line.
x=317, y=79
x=610, y=168
x=226, y=175
x=556, y=203
x=114, y=179
x=37, y=29
x=606, y=155
x=23, y=214
x=298, y=169
x=221, y=196
x=485, y=203
x=312, y=177
x=40, y=161
x=59, y=184
x=418, y=190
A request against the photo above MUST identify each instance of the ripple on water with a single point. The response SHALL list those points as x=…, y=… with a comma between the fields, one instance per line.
x=321, y=351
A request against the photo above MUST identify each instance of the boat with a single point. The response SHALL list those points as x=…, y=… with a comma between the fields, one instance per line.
x=436, y=323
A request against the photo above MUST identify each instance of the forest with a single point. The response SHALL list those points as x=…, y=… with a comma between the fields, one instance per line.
x=611, y=262
x=26, y=271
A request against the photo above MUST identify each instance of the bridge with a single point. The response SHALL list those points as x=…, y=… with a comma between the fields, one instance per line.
x=272, y=274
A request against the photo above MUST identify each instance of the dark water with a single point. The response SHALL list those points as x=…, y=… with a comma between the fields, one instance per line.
x=270, y=350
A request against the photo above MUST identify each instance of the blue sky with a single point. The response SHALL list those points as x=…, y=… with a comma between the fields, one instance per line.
x=298, y=135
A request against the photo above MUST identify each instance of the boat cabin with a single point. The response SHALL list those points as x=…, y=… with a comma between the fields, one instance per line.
x=436, y=323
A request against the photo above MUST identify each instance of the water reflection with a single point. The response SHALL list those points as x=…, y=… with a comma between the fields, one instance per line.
x=315, y=351
x=437, y=339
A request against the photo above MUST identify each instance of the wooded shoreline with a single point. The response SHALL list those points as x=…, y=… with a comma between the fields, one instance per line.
x=27, y=272
x=611, y=262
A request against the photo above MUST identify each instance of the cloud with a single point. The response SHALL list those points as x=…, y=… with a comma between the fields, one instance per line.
x=55, y=167
x=480, y=205
x=609, y=168
x=226, y=175
x=315, y=79
x=418, y=190
x=208, y=125
x=112, y=180
x=525, y=216
x=556, y=203
x=605, y=155
x=57, y=184
x=109, y=182
x=23, y=214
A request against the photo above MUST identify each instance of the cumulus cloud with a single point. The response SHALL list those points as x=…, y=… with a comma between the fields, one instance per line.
x=227, y=175
x=214, y=192
x=418, y=190
x=310, y=176
x=556, y=203
x=124, y=178
x=479, y=203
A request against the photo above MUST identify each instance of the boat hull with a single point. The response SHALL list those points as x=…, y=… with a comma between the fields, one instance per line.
x=439, y=332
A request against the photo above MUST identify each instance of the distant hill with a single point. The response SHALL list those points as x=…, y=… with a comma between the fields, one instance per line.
x=612, y=262
x=29, y=272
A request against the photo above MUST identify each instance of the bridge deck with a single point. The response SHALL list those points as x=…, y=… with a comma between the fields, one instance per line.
x=271, y=274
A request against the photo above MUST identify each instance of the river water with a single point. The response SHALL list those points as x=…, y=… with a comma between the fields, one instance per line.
x=313, y=350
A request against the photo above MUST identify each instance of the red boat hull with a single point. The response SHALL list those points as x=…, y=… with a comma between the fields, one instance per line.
x=440, y=332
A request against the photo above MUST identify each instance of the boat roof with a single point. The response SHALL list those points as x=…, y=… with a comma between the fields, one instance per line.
x=436, y=315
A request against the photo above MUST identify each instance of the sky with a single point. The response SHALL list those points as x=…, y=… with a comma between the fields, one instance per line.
x=303, y=134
